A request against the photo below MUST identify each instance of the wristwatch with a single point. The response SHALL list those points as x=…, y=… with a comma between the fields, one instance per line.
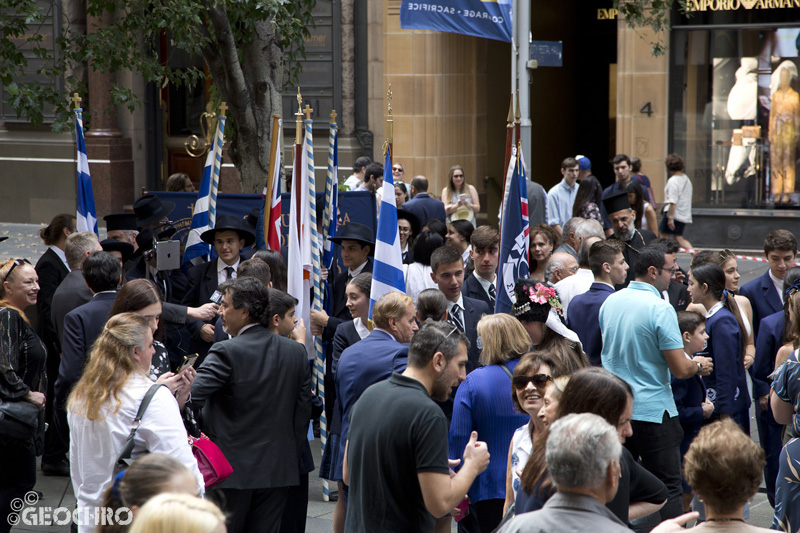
x=699, y=367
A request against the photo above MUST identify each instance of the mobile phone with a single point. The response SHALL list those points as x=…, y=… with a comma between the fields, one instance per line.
x=188, y=360
x=216, y=297
x=464, y=506
x=463, y=197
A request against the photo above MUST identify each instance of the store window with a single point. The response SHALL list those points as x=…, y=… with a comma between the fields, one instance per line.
x=735, y=114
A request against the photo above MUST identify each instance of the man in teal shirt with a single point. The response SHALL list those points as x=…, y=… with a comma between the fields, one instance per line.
x=642, y=344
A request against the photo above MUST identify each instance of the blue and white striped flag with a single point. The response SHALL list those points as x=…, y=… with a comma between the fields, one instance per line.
x=387, y=273
x=204, y=214
x=331, y=210
x=86, y=213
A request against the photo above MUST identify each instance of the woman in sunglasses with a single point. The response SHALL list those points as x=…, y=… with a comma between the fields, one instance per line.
x=482, y=404
x=22, y=380
x=539, y=310
x=529, y=381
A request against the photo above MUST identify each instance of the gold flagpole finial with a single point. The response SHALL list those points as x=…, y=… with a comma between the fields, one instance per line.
x=222, y=109
x=510, y=119
x=517, y=113
x=298, y=137
x=390, y=117
x=76, y=99
x=333, y=116
x=307, y=111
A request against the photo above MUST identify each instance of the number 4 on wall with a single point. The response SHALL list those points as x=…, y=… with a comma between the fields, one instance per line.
x=647, y=109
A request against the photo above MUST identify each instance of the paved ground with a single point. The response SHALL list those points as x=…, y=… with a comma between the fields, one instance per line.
x=24, y=243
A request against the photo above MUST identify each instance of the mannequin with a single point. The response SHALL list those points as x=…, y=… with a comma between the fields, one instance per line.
x=784, y=129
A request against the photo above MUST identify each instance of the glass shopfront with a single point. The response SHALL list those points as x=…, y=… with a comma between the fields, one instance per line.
x=735, y=110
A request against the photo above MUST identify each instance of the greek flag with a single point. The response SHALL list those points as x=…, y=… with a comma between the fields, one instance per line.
x=513, y=239
x=331, y=209
x=387, y=274
x=87, y=215
x=204, y=213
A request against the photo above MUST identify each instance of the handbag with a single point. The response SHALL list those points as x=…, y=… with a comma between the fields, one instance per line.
x=124, y=457
x=19, y=419
x=210, y=460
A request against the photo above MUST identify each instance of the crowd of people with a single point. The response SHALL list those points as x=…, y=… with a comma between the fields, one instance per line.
x=614, y=395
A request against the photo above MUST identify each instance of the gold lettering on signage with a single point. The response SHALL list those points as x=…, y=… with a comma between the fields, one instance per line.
x=723, y=5
x=608, y=14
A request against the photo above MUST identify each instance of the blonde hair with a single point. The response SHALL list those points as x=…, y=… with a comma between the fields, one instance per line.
x=391, y=305
x=110, y=365
x=178, y=513
x=503, y=339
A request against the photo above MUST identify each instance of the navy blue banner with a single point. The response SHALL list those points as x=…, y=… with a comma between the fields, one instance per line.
x=479, y=18
x=354, y=206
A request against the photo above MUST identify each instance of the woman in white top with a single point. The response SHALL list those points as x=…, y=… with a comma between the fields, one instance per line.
x=460, y=199
x=677, y=202
x=418, y=275
x=103, y=405
x=727, y=261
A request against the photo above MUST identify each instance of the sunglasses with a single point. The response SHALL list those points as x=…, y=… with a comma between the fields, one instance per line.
x=538, y=380
x=17, y=262
x=444, y=339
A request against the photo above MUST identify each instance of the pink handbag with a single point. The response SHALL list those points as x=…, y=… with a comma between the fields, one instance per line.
x=210, y=460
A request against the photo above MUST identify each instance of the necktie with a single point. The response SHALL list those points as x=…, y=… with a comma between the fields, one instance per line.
x=455, y=318
x=229, y=272
x=492, y=293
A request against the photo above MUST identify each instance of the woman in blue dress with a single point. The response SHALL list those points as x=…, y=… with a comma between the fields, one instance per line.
x=785, y=403
x=726, y=386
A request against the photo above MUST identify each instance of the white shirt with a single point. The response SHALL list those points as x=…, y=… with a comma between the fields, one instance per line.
x=521, y=448
x=353, y=272
x=95, y=444
x=418, y=278
x=485, y=283
x=678, y=191
x=361, y=328
x=569, y=288
x=778, y=284
x=222, y=275
x=460, y=303
x=352, y=182
x=61, y=255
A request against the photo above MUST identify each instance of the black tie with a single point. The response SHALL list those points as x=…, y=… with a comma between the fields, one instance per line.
x=455, y=318
x=229, y=272
x=492, y=294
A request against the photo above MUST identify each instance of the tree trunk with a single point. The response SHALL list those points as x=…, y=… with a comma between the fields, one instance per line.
x=252, y=90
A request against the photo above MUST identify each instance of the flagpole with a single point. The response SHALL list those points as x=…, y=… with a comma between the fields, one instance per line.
x=273, y=153
x=298, y=146
x=517, y=120
x=509, y=143
x=390, y=126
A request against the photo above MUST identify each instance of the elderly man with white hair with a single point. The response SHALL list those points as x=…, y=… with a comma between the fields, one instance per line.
x=583, y=459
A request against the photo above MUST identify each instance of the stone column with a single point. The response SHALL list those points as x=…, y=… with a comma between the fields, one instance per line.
x=110, y=154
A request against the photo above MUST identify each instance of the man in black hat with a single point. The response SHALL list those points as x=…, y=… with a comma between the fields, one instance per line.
x=122, y=250
x=122, y=227
x=151, y=212
x=229, y=235
x=621, y=216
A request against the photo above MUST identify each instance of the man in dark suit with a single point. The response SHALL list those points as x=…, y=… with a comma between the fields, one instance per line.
x=373, y=359
x=229, y=236
x=768, y=342
x=485, y=254
x=422, y=205
x=102, y=273
x=447, y=271
x=255, y=393
x=622, y=216
x=609, y=268
x=73, y=292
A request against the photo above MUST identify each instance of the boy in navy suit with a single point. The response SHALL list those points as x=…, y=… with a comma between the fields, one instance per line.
x=690, y=394
x=766, y=298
